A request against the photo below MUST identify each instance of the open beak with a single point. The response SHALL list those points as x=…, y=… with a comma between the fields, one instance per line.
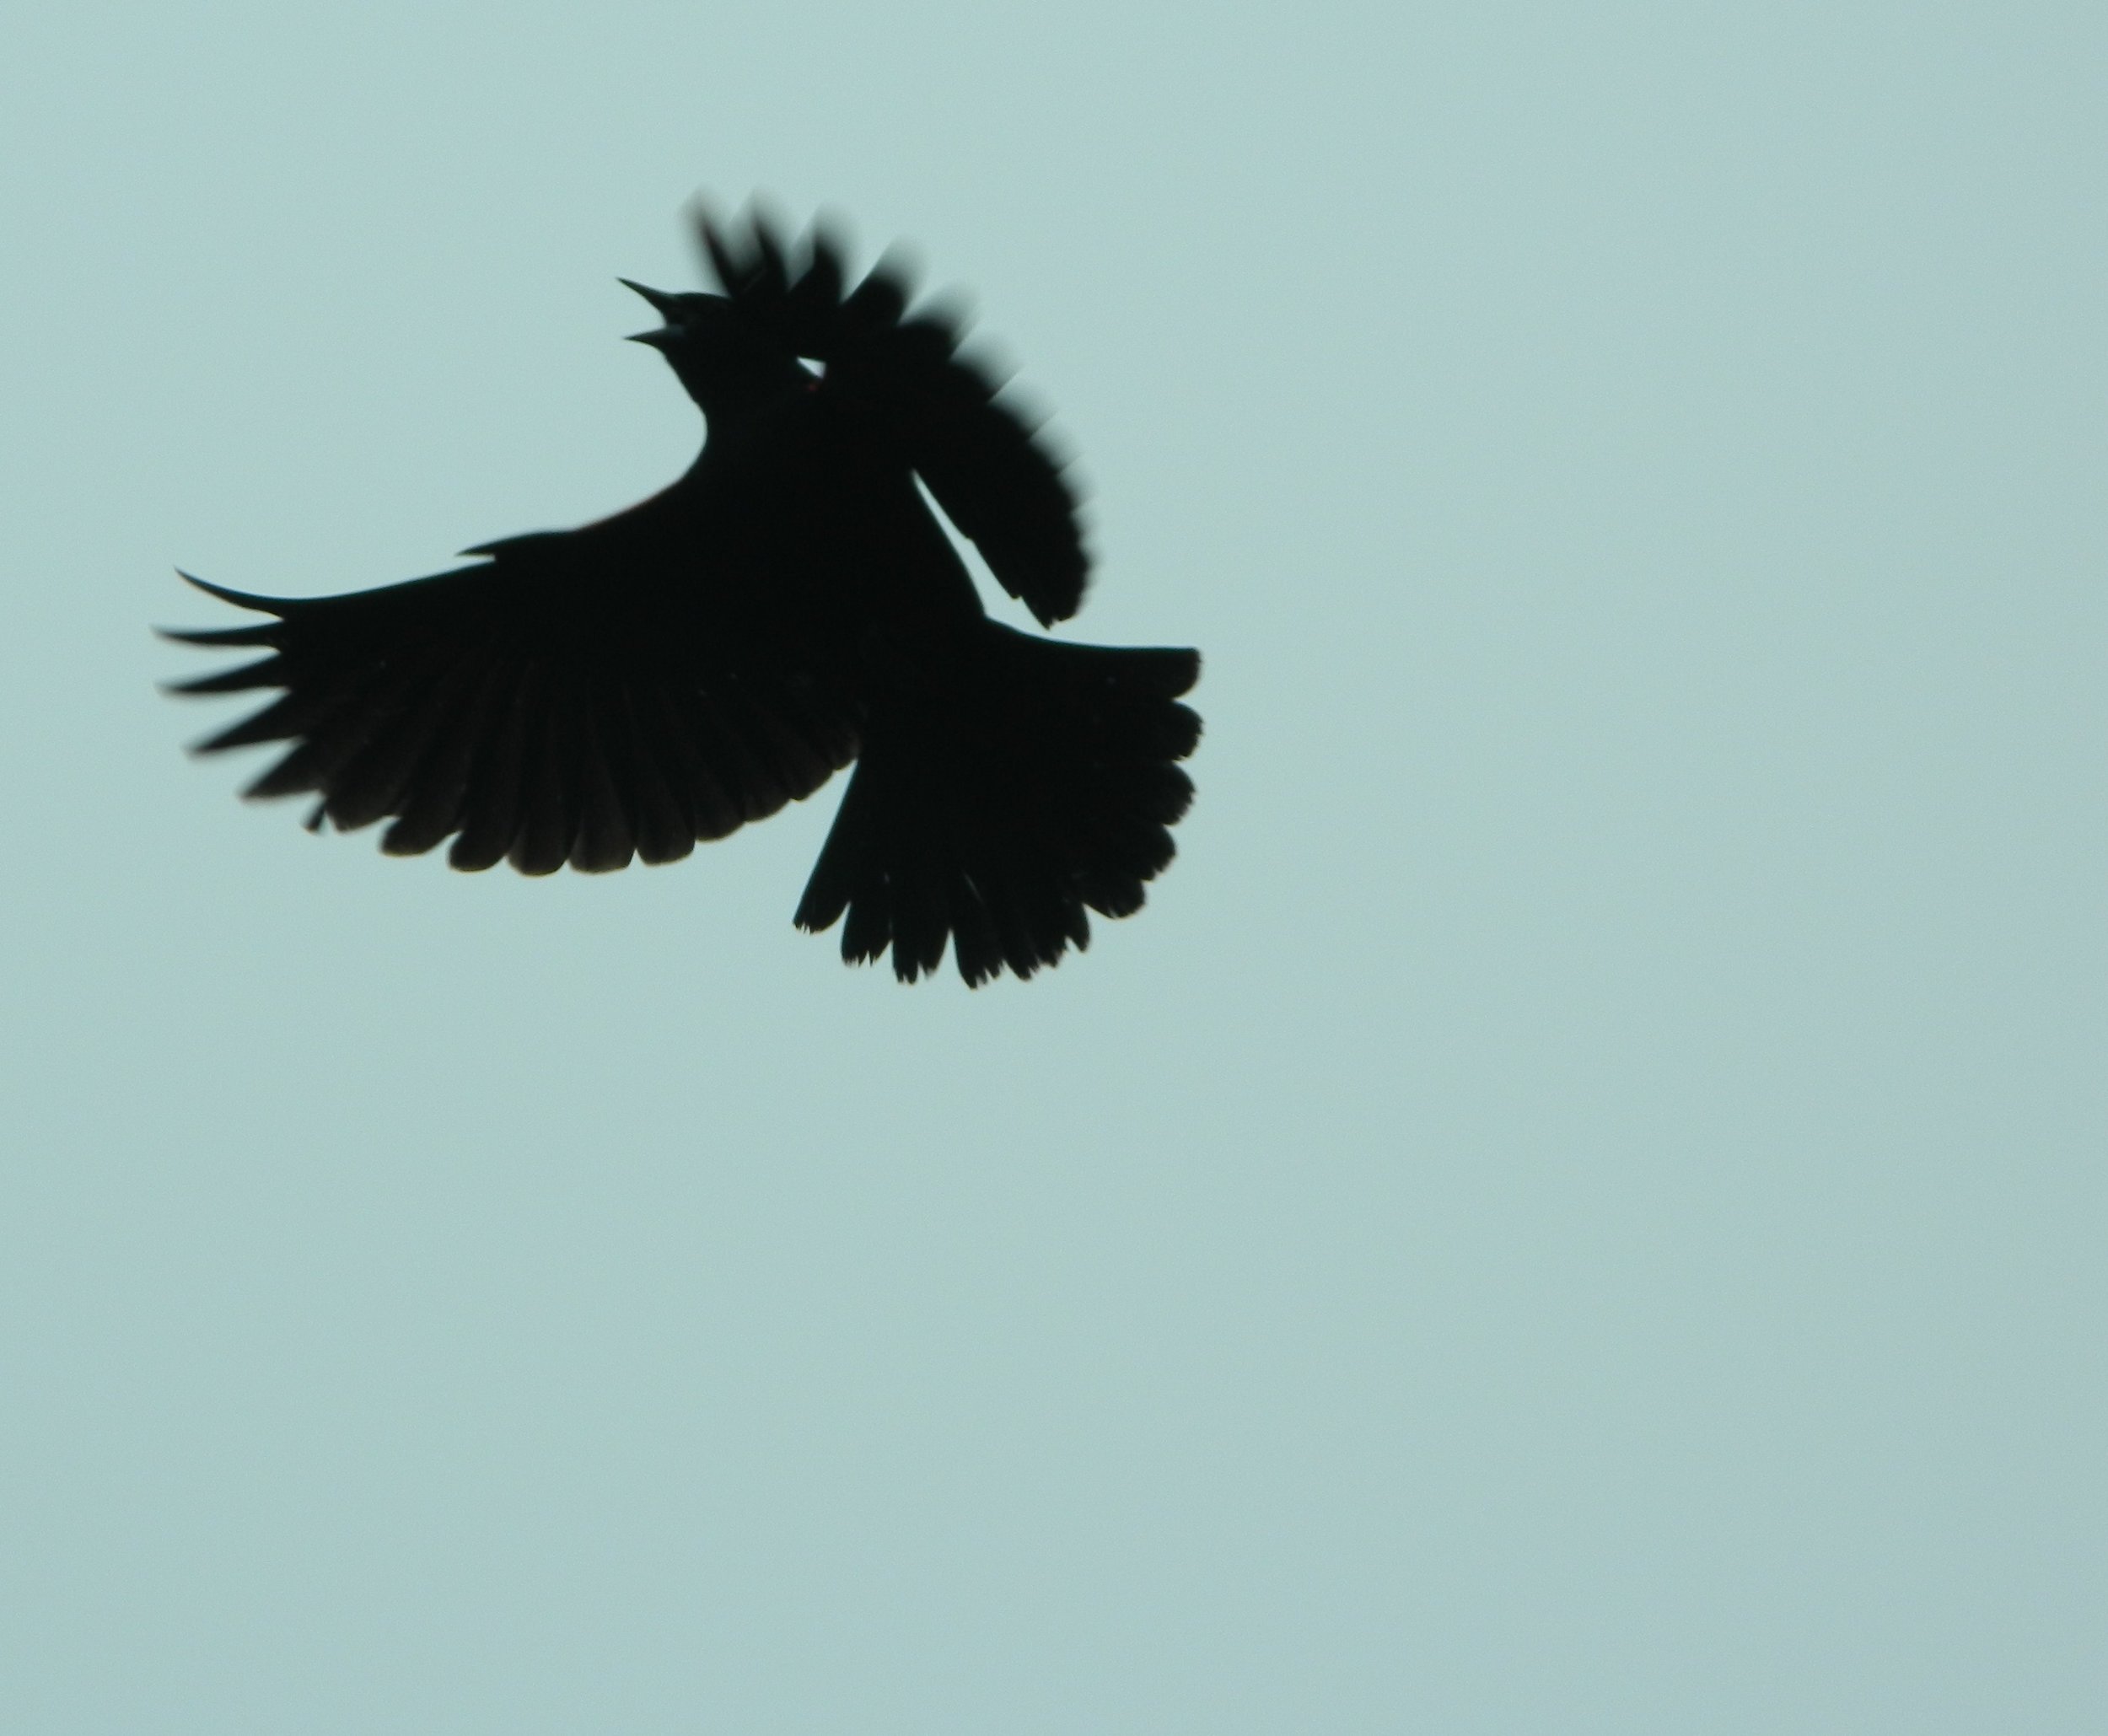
x=664, y=305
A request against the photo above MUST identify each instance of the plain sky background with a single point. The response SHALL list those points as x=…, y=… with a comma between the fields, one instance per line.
x=1578, y=1206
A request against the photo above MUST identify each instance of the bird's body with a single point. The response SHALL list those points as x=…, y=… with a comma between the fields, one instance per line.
x=790, y=605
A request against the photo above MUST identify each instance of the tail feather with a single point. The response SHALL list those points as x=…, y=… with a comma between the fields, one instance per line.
x=1040, y=785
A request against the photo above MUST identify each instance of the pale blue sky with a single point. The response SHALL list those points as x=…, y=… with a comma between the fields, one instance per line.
x=1579, y=1206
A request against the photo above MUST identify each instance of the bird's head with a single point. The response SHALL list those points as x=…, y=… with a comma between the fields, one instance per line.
x=723, y=361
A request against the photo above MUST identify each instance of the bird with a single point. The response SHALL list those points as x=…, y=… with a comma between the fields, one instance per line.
x=789, y=607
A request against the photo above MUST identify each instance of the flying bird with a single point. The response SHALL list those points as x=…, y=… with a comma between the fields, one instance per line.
x=789, y=606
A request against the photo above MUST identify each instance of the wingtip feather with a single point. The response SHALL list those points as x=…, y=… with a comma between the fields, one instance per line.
x=240, y=599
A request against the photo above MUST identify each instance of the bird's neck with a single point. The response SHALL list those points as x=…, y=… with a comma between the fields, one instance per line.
x=733, y=398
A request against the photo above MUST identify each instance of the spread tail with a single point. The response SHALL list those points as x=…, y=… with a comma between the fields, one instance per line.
x=1041, y=783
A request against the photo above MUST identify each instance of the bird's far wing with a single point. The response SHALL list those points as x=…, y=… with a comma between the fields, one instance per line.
x=984, y=463
x=528, y=715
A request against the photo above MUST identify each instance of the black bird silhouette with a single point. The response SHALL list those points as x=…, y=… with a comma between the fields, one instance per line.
x=790, y=605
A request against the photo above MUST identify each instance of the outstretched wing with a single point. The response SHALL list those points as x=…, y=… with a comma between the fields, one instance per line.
x=529, y=715
x=985, y=465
